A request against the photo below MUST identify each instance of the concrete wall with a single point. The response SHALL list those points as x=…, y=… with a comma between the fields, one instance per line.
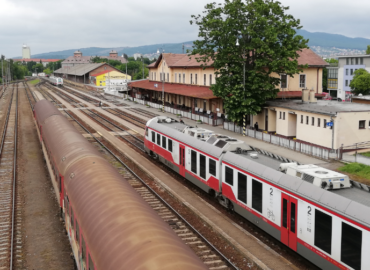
x=347, y=131
x=281, y=123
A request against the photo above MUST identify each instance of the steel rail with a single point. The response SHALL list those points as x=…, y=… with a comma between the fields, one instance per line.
x=119, y=112
x=155, y=193
x=14, y=178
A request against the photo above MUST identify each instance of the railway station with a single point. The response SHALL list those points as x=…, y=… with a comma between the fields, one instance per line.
x=242, y=193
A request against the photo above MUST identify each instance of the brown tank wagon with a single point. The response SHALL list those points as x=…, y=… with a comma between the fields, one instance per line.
x=109, y=225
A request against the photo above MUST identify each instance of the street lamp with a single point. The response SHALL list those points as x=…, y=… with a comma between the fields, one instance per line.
x=244, y=117
x=163, y=77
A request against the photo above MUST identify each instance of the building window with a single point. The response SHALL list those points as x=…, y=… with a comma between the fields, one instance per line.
x=361, y=61
x=242, y=187
x=324, y=126
x=351, y=246
x=229, y=175
x=191, y=78
x=283, y=81
x=280, y=113
x=313, y=121
x=196, y=78
x=347, y=61
x=202, y=166
x=183, y=77
x=346, y=82
x=356, y=60
x=351, y=71
x=205, y=105
x=175, y=77
x=346, y=71
x=318, y=122
x=301, y=119
x=205, y=79
x=212, y=167
x=302, y=81
x=307, y=119
x=179, y=77
x=257, y=195
x=283, y=115
x=352, y=61
x=323, y=231
x=210, y=79
x=361, y=124
x=194, y=161
x=168, y=77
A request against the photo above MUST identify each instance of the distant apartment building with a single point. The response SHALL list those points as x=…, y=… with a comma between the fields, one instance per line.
x=78, y=58
x=340, y=76
x=26, y=52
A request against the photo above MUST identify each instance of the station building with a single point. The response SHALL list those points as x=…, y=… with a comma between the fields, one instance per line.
x=187, y=84
x=109, y=79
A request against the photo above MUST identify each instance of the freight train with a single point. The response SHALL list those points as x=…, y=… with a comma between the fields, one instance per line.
x=108, y=224
x=320, y=214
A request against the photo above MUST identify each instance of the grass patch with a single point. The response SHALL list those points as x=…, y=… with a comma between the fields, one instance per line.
x=366, y=154
x=356, y=169
x=35, y=81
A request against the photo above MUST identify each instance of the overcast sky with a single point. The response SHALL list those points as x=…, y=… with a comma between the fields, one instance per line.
x=54, y=25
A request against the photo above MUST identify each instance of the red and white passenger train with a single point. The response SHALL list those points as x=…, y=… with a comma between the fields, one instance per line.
x=318, y=213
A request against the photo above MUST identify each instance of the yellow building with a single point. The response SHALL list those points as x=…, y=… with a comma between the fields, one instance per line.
x=110, y=78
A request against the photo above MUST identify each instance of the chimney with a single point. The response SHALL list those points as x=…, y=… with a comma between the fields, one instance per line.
x=305, y=96
x=312, y=97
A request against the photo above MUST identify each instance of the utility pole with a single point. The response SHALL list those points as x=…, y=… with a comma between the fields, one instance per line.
x=163, y=77
x=142, y=60
x=2, y=70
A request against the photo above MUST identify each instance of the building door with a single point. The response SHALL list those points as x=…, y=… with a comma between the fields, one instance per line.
x=267, y=119
x=182, y=160
x=289, y=221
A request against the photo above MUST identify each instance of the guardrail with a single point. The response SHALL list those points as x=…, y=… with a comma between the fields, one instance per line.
x=313, y=150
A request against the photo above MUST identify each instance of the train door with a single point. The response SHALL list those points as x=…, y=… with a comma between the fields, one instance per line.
x=289, y=207
x=182, y=160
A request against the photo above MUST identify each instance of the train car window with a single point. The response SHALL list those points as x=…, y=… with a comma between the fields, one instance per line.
x=193, y=161
x=83, y=249
x=91, y=264
x=242, y=187
x=169, y=145
x=60, y=184
x=351, y=246
x=72, y=219
x=292, y=217
x=77, y=234
x=212, y=167
x=323, y=231
x=285, y=213
x=257, y=195
x=229, y=175
x=146, y=132
x=164, y=142
x=202, y=166
x=159, y=139
x=153, y=136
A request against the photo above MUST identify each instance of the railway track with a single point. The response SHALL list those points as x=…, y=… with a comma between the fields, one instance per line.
x=84, y=97
x=127, y=117
x=118, y=129
x=143, y=112
x=213, y=258
x=8, y=199
x=74, y=102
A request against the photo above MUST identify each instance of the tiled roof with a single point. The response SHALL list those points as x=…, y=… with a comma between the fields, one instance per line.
x=36, y=60
x=307, y=56
x=195, y=91
x=293, y=94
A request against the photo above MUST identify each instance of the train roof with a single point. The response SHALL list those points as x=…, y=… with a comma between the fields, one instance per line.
x=350, y=202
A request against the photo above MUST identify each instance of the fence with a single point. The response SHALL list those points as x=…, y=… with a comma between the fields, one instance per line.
x=186, y=114
x=307, y=149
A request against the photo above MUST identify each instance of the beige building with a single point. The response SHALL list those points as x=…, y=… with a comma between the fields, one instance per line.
x=187, y=84
x=308, y=122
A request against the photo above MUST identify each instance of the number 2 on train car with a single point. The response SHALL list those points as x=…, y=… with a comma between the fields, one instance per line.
x=289, y=221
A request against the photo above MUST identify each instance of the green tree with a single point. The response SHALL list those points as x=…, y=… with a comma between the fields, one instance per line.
x=47, y=71
x=361, y=82
x=368, y=49
x=268, y=45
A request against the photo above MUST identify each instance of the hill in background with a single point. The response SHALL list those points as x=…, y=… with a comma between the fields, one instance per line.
x=324, y=44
